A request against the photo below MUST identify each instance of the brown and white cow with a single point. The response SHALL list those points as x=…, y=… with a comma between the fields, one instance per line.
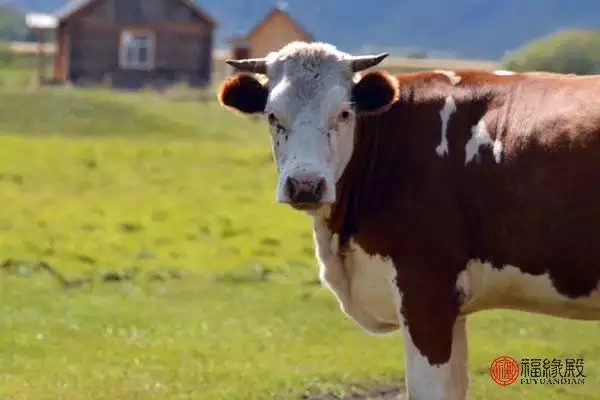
x=436, y=194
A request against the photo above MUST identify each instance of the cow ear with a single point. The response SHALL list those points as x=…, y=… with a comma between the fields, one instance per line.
x=375, y=92
x=243, y=93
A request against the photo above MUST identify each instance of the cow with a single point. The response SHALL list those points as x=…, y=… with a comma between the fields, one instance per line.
x=436, y=194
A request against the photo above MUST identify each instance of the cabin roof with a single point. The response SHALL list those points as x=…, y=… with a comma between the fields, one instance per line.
x=272, y=13
x=72, y=7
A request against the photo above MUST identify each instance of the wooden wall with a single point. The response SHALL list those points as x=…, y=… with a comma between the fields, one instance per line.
x=274, y=34
x=183, y=43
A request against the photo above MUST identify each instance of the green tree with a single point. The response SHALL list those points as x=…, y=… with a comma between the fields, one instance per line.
x=567, y=51
x=12, y=24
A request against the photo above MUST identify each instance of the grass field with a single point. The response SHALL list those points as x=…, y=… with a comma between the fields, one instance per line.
x=198, y=285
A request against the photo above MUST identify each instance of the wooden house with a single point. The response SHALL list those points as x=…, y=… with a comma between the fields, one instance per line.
x=271, y=33
x=130, y=43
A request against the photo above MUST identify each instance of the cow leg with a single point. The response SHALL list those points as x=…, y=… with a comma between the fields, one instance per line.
x=436, y=349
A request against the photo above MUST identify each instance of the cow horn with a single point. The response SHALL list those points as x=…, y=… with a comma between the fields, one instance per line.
x=360, y=63
x=256, y=65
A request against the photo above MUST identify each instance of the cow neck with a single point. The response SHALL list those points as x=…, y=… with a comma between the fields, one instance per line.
x=372, y=178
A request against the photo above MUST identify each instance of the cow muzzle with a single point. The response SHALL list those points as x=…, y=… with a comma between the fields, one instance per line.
x=304, y=191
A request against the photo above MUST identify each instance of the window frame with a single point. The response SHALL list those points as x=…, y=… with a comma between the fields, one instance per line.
x=124, y=62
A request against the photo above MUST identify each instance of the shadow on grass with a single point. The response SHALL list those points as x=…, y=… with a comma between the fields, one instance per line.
x=25, y=268
x=253, y=273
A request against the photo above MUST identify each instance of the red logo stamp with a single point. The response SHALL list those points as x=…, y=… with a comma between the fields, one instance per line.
x=504, y=370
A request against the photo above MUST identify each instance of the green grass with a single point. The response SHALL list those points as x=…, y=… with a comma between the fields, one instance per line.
x=92, y=182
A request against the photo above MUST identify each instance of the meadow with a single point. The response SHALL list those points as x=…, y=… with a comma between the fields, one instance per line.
x=142, y=257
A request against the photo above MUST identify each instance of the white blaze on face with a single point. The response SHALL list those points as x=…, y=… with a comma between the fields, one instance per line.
x=312, y=140
x=311, y=135
x=301, y=146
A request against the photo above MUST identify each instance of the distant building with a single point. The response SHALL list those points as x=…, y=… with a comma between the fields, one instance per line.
x=132, y=43
x=275, y=30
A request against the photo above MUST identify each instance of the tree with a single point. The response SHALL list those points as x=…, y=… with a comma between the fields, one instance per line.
x=567, y=51
x=12, y=24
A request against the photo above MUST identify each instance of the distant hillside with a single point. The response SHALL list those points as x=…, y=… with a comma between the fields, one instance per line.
x=466, y=28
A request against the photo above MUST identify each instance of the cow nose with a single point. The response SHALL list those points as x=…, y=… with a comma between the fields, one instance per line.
x=305, y=189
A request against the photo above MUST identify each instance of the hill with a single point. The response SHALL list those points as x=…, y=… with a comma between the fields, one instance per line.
x=469, y=28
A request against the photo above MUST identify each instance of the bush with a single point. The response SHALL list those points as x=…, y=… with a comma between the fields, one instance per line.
x=7, y=56
x=12, y=23
x=567, y=51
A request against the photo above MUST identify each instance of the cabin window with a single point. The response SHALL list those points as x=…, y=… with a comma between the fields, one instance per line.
x=137, y=50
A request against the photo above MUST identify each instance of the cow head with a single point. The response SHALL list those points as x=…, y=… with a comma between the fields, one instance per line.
x=311, y=98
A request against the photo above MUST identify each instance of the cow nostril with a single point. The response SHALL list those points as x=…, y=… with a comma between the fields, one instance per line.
x=304, y=189
x=320, y=188
x=290, y=187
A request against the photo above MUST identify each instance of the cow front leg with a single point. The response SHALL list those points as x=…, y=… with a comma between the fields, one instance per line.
x=435, y=343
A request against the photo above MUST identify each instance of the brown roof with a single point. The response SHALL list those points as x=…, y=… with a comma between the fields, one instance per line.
x=271, y=14
x=74, y=6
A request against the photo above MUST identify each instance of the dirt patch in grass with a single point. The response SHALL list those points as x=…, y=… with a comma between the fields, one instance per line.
x=379, y=391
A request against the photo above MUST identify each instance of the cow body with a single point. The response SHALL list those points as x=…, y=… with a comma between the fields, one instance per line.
x=468, y=191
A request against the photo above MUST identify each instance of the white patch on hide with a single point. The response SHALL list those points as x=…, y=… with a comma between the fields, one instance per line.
x=445, y=114
x=484, y=287
x=451, y=75
x=503, y=72
x=448, y=381
x=481, y=137
x=364, y=285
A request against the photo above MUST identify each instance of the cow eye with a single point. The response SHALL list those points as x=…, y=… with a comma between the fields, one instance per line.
x=344, y=115
x=272, y=119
